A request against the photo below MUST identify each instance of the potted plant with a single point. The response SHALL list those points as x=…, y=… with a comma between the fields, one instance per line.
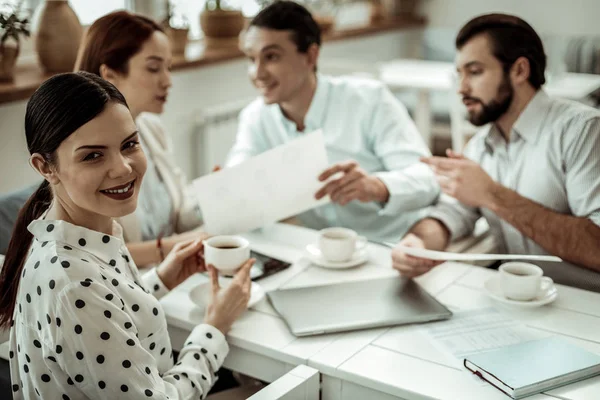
x=12, y=25
x=177, y=27
x=323, y=11
x=221, y=26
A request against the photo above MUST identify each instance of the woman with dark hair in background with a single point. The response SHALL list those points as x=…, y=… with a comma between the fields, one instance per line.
x=133, y=53
x=83, y=322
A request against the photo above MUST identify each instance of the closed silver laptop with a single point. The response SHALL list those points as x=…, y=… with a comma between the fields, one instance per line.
x=356, y=305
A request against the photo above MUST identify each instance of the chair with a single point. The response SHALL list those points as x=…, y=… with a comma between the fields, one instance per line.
x=301, y=383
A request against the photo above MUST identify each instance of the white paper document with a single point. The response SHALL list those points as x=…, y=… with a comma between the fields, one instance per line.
x=475, y=331
x=448, y=256
x=271, y=186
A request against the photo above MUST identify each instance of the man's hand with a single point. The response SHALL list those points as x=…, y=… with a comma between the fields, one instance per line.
x=410, y=266
x=463, y=179
x=354, y=184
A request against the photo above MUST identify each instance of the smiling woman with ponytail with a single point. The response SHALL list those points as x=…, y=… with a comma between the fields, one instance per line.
x=83, y=323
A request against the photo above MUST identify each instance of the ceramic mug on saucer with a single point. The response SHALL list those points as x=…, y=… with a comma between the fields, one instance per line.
x=340, y=244
x=226, y=253
x=523, y=281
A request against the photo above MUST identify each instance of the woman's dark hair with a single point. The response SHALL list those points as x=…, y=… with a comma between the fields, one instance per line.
x=510, y=38
x=285, y=15
x=113, y=40
x=58, y=108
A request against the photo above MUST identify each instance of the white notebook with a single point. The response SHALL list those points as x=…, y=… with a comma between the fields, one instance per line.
x=532, y=367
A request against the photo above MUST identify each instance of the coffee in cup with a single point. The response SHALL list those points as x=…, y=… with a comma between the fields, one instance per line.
x=523, y=281
x=340, y=244
x=226, y=253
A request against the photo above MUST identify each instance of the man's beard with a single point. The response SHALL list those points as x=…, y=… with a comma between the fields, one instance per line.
x=496, y=108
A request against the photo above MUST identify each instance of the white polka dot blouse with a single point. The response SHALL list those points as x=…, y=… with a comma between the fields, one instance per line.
x=87, y=326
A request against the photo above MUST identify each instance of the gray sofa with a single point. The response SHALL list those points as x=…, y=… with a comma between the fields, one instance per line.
x=10, y=204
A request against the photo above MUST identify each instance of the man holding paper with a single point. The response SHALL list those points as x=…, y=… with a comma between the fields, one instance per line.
x=533, y=172
x=377, y=184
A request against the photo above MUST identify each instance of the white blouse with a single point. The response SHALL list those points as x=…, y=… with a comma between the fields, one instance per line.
x=86, y=326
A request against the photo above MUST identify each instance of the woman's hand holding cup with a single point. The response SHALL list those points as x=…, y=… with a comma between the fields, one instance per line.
x=228, y=303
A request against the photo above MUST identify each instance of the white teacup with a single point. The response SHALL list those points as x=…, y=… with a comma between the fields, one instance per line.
x=523, y=281
x=339, y=244
x=226, y=253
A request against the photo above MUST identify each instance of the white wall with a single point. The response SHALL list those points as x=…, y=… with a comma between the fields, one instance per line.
x=192, y=90
x=569, y=17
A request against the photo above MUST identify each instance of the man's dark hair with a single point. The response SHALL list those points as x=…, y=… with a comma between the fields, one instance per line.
x=286, y=15
x=510, y=38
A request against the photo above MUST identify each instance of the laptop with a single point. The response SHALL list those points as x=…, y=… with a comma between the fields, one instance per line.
x=356, y=305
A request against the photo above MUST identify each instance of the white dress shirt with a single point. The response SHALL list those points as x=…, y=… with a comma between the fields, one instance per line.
x=361, y=120
x=552, y=158
x=86, y=326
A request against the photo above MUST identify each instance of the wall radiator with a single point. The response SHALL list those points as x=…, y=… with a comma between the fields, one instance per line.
x=214, y=133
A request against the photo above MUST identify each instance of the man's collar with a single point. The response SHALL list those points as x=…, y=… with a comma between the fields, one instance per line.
x=316, y=111
x=527, y=126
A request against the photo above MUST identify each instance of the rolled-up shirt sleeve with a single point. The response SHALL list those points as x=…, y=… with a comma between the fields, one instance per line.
x=397, y=142
x=457, y=217
x=116, y=365
x=582, y=169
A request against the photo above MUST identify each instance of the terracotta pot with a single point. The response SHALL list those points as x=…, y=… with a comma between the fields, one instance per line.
x=221, y=23
x=57, y=36
x=179, y=40
x=8, y=60
x=401, y=8
x=325, y=22
x=377, y=12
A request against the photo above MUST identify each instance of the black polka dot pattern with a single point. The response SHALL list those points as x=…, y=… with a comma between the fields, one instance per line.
x=99, y=315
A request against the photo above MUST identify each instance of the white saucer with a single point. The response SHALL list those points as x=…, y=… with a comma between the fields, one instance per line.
x=315, y=256
x=493, y=289
x=200, y=295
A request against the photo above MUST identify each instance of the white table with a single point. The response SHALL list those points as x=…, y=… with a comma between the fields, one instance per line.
x=427, y=76
x=386, y=363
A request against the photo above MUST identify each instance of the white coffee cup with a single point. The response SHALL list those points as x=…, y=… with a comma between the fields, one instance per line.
x=339, y=244
x=226, y=253
x=523, y=281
